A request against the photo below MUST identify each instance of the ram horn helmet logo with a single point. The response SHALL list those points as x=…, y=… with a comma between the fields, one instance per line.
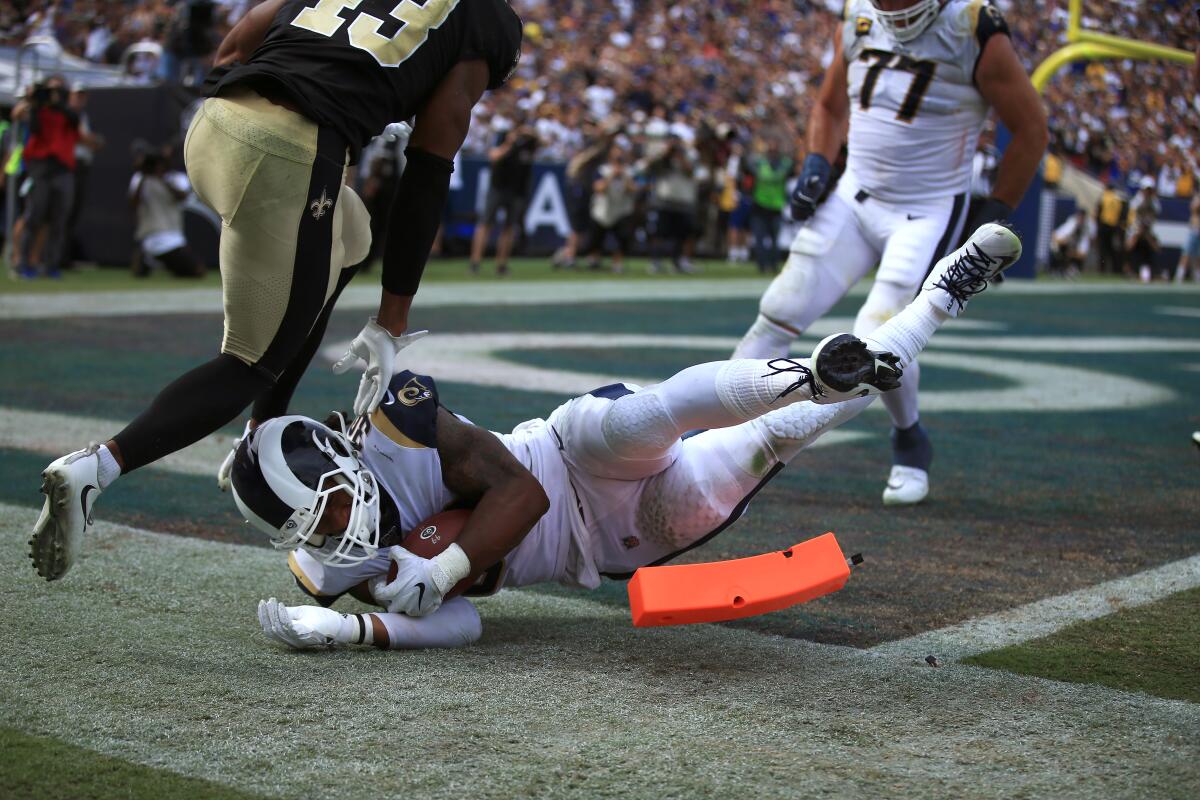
x=321, y=205
x=414, y=392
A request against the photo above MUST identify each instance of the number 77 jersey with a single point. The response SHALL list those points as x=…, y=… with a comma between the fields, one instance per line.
x=915, y=112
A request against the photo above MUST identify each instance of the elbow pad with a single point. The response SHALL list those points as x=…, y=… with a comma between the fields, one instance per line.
x=414, y=218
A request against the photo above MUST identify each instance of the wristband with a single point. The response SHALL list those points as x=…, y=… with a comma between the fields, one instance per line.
x=450, y=566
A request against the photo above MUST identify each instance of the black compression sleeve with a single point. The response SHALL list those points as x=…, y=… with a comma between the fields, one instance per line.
x=414, y=219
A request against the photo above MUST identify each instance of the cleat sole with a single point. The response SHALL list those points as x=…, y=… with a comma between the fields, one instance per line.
x=844, y=363
x=46, y=547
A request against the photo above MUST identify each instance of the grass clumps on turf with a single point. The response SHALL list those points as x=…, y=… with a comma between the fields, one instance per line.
x=1151, y=649
x=47, y=769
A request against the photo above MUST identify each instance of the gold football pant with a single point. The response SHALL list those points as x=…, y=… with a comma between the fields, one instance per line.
x=289, y=224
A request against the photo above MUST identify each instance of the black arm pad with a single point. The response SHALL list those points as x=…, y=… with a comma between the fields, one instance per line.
x=414, y=219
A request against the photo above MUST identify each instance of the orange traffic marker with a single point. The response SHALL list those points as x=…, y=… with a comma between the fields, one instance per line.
x=721, y=590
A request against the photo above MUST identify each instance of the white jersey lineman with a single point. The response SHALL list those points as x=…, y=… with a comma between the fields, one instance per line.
x=915, y=114
x=915, y=117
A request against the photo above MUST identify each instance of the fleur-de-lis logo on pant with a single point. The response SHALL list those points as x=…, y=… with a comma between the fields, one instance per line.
x=321, y=205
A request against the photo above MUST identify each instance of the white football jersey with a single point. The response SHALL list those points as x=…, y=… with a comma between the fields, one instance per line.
x=915, y=113
x=400, y=449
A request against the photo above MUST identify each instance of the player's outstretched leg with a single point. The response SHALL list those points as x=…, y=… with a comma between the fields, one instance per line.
x=184, y=412
x=645, y=425
x=953, y=281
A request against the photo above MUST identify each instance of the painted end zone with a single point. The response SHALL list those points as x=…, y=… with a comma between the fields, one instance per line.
x=722, y=590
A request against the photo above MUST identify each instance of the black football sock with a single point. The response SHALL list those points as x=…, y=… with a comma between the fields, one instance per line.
x=911, y=447
x=193, y=406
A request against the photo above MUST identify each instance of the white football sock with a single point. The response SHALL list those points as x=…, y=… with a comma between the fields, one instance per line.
x=906, y=334
x=749, y=388
x=719, y=394
x=901, y=402
x=765, y=339
x=109, y=470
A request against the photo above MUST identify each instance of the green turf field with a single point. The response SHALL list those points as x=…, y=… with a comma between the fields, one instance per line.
x=1152, y=649
x=1061, y=415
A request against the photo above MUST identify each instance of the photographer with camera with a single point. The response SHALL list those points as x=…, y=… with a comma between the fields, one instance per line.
x=157, y=196
x=674, y=199
x=511, y=179
x=50, y=163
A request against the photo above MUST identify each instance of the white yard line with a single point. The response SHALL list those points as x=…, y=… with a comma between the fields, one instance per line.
x=1178, y=311
x=56, y=434
x=483, y=293
x=1044, y=617
x=479, y=359
x=149, y=652
x=363, y=297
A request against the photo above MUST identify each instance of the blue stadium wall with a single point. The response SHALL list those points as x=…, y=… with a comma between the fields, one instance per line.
x=159, y=116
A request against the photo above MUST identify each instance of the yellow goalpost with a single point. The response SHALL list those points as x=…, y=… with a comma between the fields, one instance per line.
x=1085, y=45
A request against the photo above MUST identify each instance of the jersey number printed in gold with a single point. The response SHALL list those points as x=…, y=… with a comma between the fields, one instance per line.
x=365, y=30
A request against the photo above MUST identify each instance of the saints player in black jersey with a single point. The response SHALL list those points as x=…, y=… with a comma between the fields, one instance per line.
x=299, y=88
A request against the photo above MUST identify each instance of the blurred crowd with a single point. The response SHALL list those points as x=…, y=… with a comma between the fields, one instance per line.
x=681, y=122
x=733, y=81
x=689, y=68
x=1123, y=121
x=171, y=40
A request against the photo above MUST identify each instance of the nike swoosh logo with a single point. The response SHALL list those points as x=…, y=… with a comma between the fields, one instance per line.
x=912, y=217
x=421, y=595
x=894, y=485
x=83, y=503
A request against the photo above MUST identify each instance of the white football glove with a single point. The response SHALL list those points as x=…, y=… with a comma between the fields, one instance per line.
x=224, y=481
x=376, y=349
x=301, y=627
x=420, y=583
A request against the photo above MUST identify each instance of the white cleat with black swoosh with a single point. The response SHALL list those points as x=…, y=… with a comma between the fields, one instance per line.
x=71, y=485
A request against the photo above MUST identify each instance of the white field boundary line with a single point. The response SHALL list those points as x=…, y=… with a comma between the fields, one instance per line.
x=555, y=676
x=361, y=297
x=54, y=435
x=199, y=301
x=1044, y=617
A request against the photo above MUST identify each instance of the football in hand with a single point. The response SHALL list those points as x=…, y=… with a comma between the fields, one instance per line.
x=432, y=537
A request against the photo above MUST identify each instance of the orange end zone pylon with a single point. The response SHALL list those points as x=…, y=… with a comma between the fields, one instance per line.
x=722, y=590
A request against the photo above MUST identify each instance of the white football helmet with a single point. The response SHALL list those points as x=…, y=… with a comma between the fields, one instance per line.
x=283, y=476
x=908, y=23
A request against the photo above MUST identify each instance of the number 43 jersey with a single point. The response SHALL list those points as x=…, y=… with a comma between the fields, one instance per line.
x=915, y=113
x=358, y=65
